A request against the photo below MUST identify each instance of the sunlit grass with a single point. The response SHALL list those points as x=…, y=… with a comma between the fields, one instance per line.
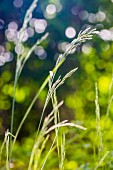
x=36, y=161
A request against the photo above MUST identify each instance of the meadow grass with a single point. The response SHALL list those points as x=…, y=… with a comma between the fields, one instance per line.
x=44, y=128
x=101, y=129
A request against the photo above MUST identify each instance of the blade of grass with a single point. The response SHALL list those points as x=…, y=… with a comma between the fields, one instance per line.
x=98, y=126
x=62, y=156
x=103, y=158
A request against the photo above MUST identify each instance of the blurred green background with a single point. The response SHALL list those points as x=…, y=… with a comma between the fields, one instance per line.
x=63, y=19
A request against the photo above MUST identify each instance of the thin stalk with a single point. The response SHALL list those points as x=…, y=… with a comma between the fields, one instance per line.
x=1, y=149
x=13, y=102
x=56, y=118
x=102, y=159
x=98, y=125
x=7, y=153
x=62, y=156
x=50, y=150
x=13, y=108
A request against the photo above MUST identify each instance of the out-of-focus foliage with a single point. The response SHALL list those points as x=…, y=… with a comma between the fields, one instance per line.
x=94, y=60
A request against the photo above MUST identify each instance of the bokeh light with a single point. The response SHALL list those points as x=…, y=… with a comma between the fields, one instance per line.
x=30, y=31
x=64, y=46
x=58, y=7
x=70, y=32
x=83, y=15
x=40, y=52
x=100, y=16
x=40, y=25
x=5, y=56
x=2, y=60
x=13, y=25
x=11, y=34
x=32, y=22
x=8, y=56
x=51, y=9
x=18, y=3
x=105, y=34
x=86, y=48
x=92, y=18
x=104, y=83
x=2, y=49
x=75, y=10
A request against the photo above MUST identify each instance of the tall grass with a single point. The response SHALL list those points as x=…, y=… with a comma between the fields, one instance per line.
x=102, y=153
x=98, y=125
x=43, y=131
